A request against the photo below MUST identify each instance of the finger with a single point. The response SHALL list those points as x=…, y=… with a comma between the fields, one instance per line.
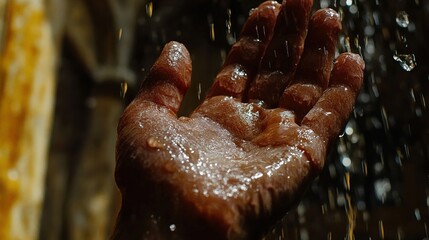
x=169, y=78
x=332, y=110
x=283, y=52
x=313, y=72
x=243, y=60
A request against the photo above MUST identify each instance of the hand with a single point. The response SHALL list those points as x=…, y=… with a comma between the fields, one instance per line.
x=246, y=154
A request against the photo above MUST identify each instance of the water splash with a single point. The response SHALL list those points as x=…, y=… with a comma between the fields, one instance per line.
x=402, y=19
x=407, y=61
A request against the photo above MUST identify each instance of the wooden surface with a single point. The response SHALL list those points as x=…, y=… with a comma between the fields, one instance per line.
x=27, y=87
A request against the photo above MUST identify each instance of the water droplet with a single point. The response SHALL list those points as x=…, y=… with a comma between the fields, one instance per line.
x=252, y=11
x=153, y=143
x=238, y=73
x=172, y=227
x=257, y=175
x=349, y=130
x=257, y=33
x=382, y=187
x=346, y=161
x=402, y=19
x=417, y=214
x=407, y=61
x=124, y=88
x=287, y=48
x=353, y=9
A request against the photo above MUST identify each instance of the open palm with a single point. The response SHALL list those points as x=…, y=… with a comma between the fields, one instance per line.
x=246, y=154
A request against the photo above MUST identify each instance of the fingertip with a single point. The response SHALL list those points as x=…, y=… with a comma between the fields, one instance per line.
x=169, y=78
x=261, y=21
x=174, y=64
x=242, y=62
x=348, y=71
x=326, y=18
x=269, y=4
x=352, y=58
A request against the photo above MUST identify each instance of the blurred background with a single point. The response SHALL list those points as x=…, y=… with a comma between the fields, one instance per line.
x=69, y=67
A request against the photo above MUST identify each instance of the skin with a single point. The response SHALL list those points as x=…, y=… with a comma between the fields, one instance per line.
x=246, y=154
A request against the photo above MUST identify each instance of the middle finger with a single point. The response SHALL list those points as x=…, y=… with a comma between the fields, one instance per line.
x=283, y=53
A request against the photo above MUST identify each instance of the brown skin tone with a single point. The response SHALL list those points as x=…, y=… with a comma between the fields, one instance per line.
x=247, y=153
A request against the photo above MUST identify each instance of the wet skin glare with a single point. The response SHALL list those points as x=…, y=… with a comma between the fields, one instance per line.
x=245, y=155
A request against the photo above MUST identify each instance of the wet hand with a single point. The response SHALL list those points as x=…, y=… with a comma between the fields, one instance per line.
x=246, y=154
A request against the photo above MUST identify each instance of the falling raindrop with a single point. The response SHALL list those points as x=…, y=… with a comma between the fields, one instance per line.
x=346, y=44
x=120, y=34
x=149, y=9
x=407, y=61
x=230, y=36
x=381, y=229
x=417, y=214
x=124, y=88
x=324, y=3
x=228, y=21
x=402, y=19
x=212, y=32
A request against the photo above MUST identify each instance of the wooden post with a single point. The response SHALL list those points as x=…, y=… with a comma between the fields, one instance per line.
x=27, y=85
